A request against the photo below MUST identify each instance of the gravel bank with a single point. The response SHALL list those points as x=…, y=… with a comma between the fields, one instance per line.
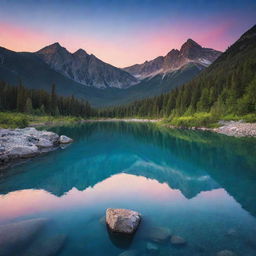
x=237, y=129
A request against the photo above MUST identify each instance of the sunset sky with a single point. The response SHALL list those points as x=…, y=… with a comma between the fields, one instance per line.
x=123, y=32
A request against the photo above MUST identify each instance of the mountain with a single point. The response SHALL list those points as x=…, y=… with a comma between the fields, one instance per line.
x=190, y=53
x=87, y=77
x=84, y=68
x=226, y=88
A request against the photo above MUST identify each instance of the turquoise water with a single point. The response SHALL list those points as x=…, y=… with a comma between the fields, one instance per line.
x=200, y=185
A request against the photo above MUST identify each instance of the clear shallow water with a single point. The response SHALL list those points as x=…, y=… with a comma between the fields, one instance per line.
x=200, y=185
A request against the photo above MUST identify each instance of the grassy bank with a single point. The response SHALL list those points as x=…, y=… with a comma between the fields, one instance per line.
x=204, y=119
x=20, y=120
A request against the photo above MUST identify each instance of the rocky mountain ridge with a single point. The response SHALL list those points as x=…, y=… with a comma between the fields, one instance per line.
x=189, y=53
x=84, y=68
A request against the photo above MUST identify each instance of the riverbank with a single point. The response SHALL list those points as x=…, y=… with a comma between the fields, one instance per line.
x=229, y=128
x=17, y=144
x=19, y=120
x=22, y=120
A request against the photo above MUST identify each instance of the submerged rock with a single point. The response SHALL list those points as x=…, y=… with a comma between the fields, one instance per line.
x=15, y=236
x=158, y=234
x=122, y=220
x=50, y=246
x=232, y=232
x=65, y=140
x=226, y=253
x=152, y=248
x=129, y=253
x=102, y=220
x=178, y=240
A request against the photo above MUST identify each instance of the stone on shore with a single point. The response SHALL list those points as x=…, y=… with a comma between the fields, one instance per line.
x=158, y=234
x=23, y=151
x=65, y=140
x=177, y=240
x=26, y=143
x=122, y=220
x=15, y=236
x=226, y=253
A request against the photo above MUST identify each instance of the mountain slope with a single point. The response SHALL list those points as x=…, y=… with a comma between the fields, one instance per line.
x=84, y=68
x=227, y=87
x=190, y=52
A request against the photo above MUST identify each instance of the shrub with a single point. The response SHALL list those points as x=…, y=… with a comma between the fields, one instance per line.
x=195, y=120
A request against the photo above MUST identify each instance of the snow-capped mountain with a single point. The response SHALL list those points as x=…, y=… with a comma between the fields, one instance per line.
x=84, y=68
x=189, y=53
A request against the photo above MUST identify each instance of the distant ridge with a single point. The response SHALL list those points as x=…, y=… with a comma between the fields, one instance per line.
x=189, y=53
x=84, y=68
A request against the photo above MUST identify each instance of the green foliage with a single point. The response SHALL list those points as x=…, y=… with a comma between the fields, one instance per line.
x=28, y=106
x=13, y=120
x=40, y=102
x=198, y=119
x=227, y=87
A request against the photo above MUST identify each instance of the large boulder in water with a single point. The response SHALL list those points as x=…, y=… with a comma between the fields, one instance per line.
x=15, y=236
x=122, y=220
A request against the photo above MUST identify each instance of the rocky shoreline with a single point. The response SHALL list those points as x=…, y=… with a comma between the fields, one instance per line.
x=229, y=128
x=17, y=144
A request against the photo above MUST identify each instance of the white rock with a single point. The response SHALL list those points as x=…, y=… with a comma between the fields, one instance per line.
x=44, y=143
x=23, y=151
x=65, y=140
x=122, y=220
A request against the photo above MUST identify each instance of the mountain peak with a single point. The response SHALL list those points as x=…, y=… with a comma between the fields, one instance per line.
x=80, y=52
x=52, y=48
x=190, y=43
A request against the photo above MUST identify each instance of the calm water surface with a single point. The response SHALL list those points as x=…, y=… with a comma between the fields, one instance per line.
x=202, y=186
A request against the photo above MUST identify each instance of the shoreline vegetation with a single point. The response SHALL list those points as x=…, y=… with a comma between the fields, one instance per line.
x=230, y=125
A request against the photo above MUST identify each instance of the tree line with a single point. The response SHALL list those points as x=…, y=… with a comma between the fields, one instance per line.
x=227, y=87
x=40, y=102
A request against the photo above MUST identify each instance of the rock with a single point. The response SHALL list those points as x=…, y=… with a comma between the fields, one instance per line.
x=44, y=143
x=51, y=136
x=26, y=143
x=102, y=220
x=23, y=151
x=129, y=253
x=232, y=232
x=177, y=240
x=64, y=139
x=122, y=220
x=226, y=253
x=50, y=247
x=159, y=234
x=15, y=236
x=152, y=248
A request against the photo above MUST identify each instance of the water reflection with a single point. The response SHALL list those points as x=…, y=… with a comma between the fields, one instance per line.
x=186, y=160
x=191, y=182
